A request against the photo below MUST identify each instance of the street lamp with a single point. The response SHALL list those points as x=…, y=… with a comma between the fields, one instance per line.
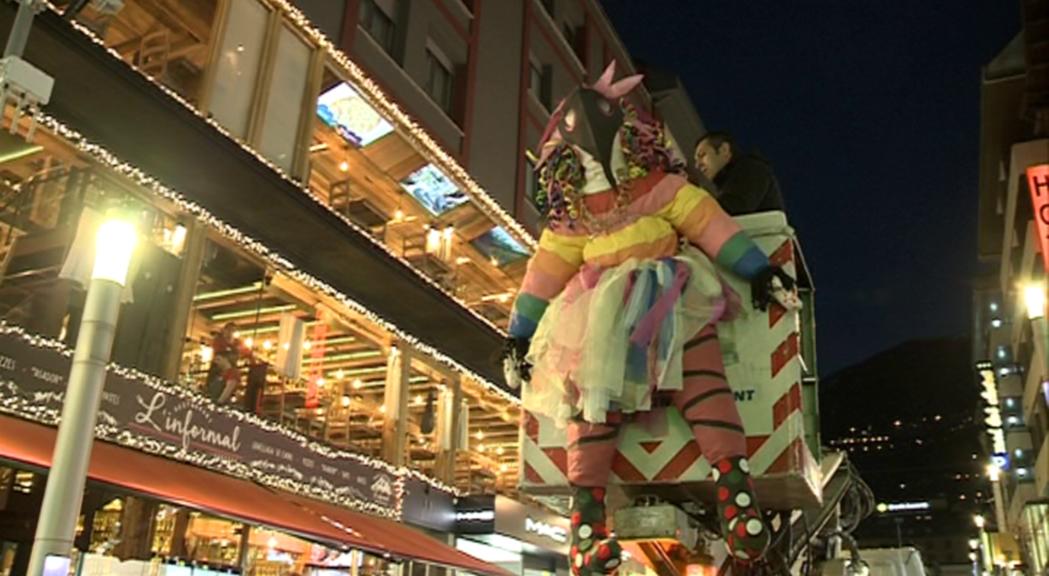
x=980, y=521
x=114, y=246
x=1034, y=299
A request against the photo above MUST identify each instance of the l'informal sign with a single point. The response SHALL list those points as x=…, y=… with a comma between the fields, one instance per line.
x=176, y=423
x=1038, y=184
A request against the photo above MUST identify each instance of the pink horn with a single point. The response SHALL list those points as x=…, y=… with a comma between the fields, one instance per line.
x=624, y=86
x=604, y=82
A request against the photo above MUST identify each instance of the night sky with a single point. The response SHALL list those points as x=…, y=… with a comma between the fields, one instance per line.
x=869, y=112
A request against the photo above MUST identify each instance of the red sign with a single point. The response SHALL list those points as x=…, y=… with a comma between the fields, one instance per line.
x=1038, y=184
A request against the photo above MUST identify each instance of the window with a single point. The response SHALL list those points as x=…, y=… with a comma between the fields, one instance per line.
x=439, y=79
x=569, y=32
x=539, y=82
x=548, y=5
x=378, y=22
x=576, y=38
x=238, y=67
x=284, y=105
x=531, y=180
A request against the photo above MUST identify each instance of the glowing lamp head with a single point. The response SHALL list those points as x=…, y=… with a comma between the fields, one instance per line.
x=1034, y=299
x=114, y=247
x=980, y=521
x=994, y=471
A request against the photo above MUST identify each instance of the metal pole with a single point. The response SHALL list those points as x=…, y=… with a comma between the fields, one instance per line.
x=20, y=29
x=76, y=431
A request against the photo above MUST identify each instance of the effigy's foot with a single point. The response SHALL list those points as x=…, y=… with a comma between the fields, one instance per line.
x=592, y=551
x=745, y=532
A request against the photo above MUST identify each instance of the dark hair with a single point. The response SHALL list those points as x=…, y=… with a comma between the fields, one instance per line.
x=716, y=140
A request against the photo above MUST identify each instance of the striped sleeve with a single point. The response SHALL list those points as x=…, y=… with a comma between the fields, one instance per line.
x=698, y=217
x=555, y=263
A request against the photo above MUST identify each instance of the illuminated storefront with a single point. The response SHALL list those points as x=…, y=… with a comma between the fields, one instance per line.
x=522, y=538
x=1034, y=534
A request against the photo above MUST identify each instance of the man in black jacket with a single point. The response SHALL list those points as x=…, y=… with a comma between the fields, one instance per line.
x=745, y=182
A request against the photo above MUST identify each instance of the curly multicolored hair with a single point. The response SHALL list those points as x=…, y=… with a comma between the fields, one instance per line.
x=645, y=147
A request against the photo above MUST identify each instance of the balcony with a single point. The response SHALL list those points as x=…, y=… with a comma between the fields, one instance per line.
x=319, y=220
x=191, y=280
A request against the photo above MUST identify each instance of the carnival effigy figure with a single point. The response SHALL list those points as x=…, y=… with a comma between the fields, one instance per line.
x=617, y=316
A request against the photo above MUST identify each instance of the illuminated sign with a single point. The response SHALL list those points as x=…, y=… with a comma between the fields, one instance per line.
x=903, y=507
x=555, y=533
x=351, y=116
x=993, y=420
x=1038, y=184
x=475, y=516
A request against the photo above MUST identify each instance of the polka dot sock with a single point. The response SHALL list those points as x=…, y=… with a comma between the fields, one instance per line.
x=746, y=534
x=592, y=551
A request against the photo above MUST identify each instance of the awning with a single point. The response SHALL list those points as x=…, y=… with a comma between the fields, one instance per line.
x=401, y=539
x=211, y=492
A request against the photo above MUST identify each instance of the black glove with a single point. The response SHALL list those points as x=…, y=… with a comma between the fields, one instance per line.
x=762, y=289
x=516, y=369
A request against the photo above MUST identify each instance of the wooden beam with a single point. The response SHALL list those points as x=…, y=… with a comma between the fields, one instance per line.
x=394, y=430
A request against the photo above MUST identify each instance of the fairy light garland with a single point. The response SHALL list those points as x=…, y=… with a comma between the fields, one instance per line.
x=377, y=97
x=136, y=175
x=12, y=401
x=304, y=189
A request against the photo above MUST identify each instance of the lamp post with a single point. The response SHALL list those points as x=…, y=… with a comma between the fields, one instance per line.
x=63, y=496
x=994, y=473
x=1034, y=299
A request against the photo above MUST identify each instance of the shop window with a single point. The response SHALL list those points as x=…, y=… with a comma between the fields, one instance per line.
x=214, y=541
x=376, y=17
x=45, y=244
x=263, y=342
x=439, y=78
x=237, y=69
x=284, y=102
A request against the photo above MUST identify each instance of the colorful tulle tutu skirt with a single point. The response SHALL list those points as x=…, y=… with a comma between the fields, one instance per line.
x=613, y=339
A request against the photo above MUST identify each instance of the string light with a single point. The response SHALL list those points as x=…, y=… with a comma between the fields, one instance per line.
x=35, y=407
x=375, y=96
x=276, y=261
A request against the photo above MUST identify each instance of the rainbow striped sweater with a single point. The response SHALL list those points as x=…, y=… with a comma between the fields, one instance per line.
x=660, y=210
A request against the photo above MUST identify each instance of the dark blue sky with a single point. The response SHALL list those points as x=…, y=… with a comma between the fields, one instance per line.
x=869, y=112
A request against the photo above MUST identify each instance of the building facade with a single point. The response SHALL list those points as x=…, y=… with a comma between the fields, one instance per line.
x=1009, y=314
x=333, y=200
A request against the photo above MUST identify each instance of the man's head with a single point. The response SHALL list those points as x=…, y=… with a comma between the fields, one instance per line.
x=713, y=152
x=228, y=330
